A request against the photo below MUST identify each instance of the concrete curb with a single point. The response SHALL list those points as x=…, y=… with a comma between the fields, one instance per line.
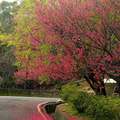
x=44, y=109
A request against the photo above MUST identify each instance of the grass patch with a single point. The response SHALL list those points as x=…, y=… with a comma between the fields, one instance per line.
x=69, y=108
x=67, y=111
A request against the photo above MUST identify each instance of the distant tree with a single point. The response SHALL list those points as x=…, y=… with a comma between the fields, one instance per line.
x=7, y=68
x=27, y=28
x=7, y=57
x=7, y=11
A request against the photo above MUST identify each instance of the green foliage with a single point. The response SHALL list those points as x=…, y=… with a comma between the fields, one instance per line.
x=44, y=1
x=97, y=107
x=17, y=64
x=25, y=24
x=7, y=60
x=59, y=116
x=43, y=79
x=96, y=19
x=45, y=48
x=102, y=108
x=70, y=92
x=7, y=11
x=70, y=108
x=66, y=111
x=7, y=83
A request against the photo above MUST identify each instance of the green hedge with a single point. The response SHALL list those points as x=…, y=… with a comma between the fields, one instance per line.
x=97, y=107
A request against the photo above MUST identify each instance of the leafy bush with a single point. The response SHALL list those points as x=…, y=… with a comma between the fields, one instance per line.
x=98, y=107
x=70, y=92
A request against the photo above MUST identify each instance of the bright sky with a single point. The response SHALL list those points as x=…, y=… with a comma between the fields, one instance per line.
x=8, y=0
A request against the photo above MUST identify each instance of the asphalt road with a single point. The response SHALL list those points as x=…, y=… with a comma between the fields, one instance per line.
x=21, y=108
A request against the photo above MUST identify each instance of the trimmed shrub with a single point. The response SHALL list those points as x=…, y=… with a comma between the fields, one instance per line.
x=97, y=107
x=70, y=92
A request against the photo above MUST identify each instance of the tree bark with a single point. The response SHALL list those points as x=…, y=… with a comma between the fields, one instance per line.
x=97, y=86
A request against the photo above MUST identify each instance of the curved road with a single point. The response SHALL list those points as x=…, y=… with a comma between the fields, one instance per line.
x=21, y=108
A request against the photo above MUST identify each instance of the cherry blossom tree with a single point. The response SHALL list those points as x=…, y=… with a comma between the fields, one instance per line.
x=81, y=40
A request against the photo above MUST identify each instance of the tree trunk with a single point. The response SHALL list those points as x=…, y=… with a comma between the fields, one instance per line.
x=97, y=86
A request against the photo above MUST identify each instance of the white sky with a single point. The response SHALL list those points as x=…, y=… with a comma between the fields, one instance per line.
x=8, y=0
